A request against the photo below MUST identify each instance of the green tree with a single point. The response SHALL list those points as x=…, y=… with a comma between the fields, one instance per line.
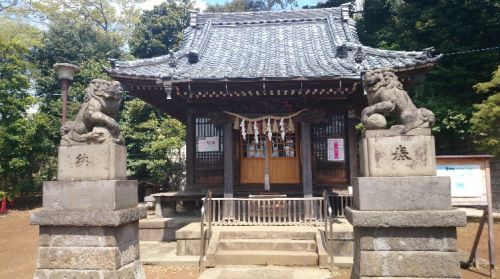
x=251, y=6
x=160, y=29
x=23, y=135
x=154, y=142
x=328, y=4
x=117, y=16
x=449, y=26
x=486, y=116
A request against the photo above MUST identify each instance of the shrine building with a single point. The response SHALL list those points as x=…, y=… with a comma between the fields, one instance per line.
x=270, y=100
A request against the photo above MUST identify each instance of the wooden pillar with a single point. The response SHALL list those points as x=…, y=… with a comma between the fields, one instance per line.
x=228, y=171
x=353, y=145
x=190, y=151
x=305, y=154
x=228, y=160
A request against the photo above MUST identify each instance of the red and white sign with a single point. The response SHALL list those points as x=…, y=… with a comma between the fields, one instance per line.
x=335, y=150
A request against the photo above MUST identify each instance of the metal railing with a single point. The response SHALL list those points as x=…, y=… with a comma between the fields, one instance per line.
x=205, y=234
x=338, y=203
x=328, y=232
x=316, y=211
x=265, y=211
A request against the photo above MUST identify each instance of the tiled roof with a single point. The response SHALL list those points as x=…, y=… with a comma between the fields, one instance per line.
x=314, y=43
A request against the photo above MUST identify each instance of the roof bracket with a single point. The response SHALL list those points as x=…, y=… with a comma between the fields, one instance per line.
x=167, y=87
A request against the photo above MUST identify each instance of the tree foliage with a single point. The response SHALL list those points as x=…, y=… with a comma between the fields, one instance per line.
x=154, y=142
x=250, y=6
x=160, y=29
x=24, y=141
x=486, y=117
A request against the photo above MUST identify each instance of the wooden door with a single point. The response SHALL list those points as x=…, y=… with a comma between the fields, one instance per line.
x=283, y=158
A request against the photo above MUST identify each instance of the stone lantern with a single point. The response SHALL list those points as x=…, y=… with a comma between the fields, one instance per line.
x=65, y=73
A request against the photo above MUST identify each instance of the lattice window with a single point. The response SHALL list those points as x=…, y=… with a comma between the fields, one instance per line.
x=208, y=159
x=280, y=148
x=335, y=127
x=251, y=149
x=284, y=148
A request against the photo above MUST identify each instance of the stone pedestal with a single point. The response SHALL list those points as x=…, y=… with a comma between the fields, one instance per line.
x=89, y=223
x=404, y=224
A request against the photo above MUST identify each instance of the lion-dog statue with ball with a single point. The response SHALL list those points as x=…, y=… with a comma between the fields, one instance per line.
x=95, y=121
x=386, y=95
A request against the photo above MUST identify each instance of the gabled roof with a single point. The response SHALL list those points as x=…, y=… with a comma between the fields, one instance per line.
x=308, y=44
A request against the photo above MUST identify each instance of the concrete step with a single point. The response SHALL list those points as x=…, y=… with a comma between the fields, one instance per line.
x=266, y=257
x=310, y=235
x=268, y=244
x=267, y=272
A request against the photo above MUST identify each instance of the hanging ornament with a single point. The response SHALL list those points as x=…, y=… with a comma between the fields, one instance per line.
x=250, y=128
x=256, y=132
x=282, y=129
x=275, y=126
x=243, y=130
x=236, y=124
x=291, y=128
x=269, y=130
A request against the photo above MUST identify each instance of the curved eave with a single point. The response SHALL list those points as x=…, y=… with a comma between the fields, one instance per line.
x=156, y=78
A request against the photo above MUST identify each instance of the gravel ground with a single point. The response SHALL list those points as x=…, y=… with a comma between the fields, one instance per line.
x=19, y=242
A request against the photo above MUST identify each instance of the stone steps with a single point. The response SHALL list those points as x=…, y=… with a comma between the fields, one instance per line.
x=268, y=244
x=272, y=234
x=266, y=257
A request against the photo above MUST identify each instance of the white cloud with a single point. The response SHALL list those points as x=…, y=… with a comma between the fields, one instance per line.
x=200, y=4
x=149, y=4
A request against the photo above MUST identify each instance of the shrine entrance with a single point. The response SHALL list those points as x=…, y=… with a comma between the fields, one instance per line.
x=278, y=157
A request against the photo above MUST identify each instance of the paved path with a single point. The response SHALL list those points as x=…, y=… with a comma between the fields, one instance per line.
x=265, y=272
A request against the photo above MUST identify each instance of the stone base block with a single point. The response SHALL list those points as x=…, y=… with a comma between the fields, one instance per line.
x=133, y=270
x=87, y=218
x=388, y=153
x=406, y=239
x=402, y=193
x=409, y=264
x=92, y=162
x=90, y=195
x=99, y=258
x=406, y=219
x=57, y=236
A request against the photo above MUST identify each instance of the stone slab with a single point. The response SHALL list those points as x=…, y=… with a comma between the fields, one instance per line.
x=406, y=219
x=62, y=236
x=392, y=133
x=87, y=218
x=407, y=239
x=90, y=195
x=402, y=193
x=266, y=257
x=99, y=258
x=264, y=272
x=400, y=155
x=163, y=253
x=133, y=270
x=92, y=162
x=409, y=264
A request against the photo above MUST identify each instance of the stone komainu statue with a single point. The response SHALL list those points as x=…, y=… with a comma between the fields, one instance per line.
x=95, y=121
x=386, y=95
